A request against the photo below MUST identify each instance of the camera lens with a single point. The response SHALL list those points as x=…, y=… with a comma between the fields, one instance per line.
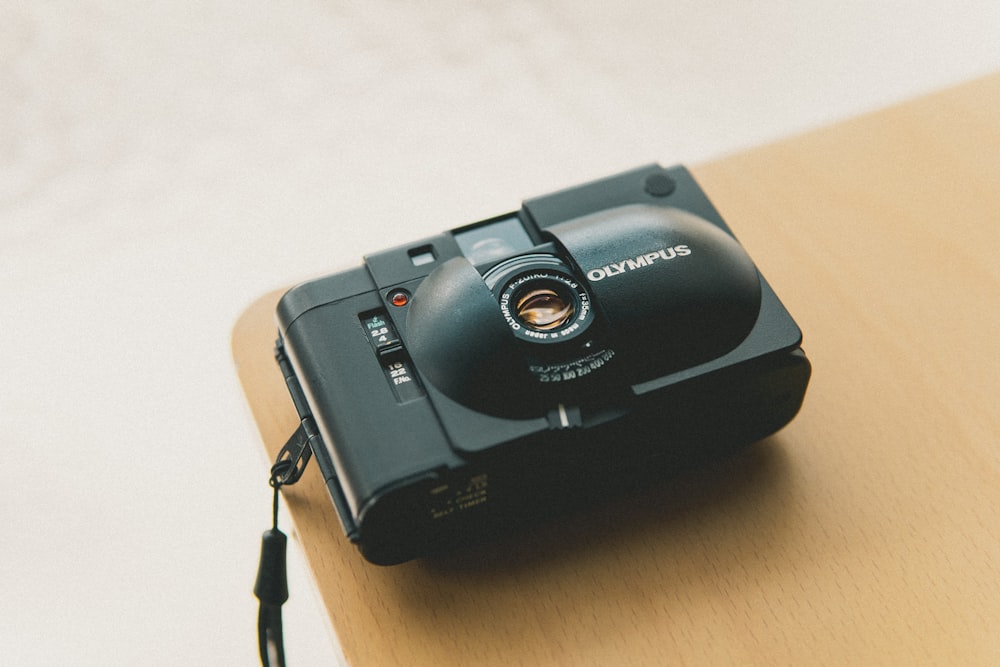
x=544, y=308
x=540, y=299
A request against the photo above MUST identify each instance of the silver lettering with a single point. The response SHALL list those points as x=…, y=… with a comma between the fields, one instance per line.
x=505, y=310
x=640, y=261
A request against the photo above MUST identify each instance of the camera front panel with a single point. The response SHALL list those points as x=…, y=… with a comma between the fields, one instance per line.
x=525, y=339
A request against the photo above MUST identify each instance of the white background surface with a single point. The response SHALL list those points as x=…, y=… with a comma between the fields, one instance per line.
x=164, y=164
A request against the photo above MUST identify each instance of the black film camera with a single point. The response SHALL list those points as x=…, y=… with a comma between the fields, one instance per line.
x=505, y=370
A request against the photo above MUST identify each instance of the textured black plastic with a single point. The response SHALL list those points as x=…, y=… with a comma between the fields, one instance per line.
x=461, y=343
x=674, y=289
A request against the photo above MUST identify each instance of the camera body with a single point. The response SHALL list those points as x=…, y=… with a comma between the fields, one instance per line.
x=597, y=339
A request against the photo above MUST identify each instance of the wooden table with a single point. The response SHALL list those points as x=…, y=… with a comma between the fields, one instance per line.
x=867, y=531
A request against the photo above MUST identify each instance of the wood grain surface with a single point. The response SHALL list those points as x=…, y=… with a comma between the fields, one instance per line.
x=866, y=532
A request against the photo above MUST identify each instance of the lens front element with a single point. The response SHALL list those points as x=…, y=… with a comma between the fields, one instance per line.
x=544, y=308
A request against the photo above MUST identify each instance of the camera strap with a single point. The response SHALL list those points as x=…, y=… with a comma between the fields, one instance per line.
x=271, y=587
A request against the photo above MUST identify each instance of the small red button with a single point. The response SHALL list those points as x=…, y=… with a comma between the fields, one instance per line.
x=399, y=299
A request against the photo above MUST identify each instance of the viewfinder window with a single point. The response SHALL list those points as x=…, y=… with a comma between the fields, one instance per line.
x=493, y=240
x=422, y=256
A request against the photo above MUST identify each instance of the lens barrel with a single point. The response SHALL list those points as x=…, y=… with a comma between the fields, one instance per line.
x=540, y=299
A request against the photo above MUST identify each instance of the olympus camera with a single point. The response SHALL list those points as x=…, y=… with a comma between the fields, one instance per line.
x=596, y=339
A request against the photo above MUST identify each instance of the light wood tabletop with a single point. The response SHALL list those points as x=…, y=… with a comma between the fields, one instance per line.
x=865, y=532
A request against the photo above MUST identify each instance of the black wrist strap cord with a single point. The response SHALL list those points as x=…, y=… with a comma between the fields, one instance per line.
x=272, y=591
x=271, y=587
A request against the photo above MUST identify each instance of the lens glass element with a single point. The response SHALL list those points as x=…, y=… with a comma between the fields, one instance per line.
x=544, y=309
